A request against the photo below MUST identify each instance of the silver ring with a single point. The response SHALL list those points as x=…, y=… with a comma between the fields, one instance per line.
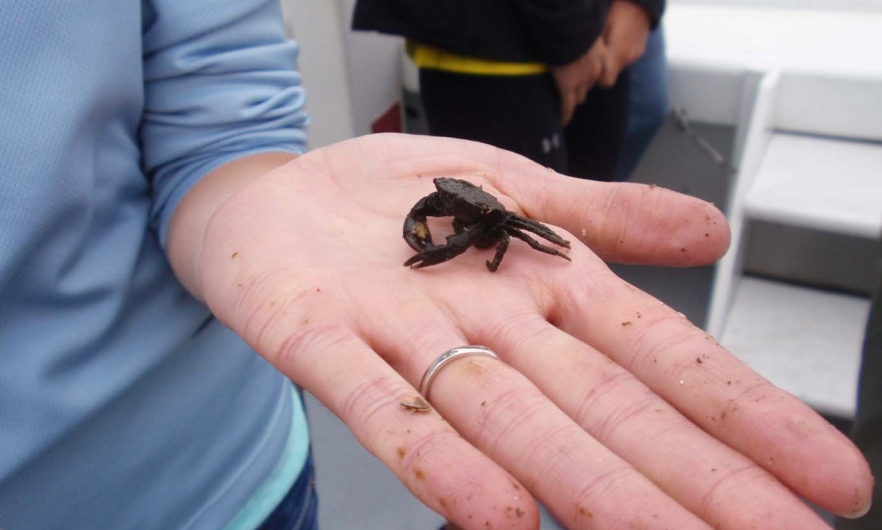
x=448, y=357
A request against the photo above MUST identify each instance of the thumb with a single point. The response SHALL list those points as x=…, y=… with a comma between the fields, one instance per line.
x=620, y=222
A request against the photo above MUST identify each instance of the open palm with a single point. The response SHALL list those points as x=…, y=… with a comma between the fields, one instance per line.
x=606, y=405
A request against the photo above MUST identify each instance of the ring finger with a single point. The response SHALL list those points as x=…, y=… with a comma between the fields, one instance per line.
x=509, y=419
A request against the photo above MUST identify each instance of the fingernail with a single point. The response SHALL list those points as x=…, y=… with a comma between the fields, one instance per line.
x=862, y=512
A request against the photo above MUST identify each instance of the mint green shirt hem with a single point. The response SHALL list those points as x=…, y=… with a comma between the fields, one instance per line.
x=282, y=477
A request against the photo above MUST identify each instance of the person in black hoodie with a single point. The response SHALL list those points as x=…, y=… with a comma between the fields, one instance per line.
x=521, y=74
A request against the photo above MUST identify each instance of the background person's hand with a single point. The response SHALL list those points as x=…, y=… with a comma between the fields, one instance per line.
x=607, y=406
x=575, y=79
x=625, y=35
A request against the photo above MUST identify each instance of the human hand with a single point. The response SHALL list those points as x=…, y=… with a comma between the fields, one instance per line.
x=607, y=406
x=625, y=35
x=575, y=79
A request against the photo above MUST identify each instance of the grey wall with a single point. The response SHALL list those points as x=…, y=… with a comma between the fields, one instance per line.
x=676, y=162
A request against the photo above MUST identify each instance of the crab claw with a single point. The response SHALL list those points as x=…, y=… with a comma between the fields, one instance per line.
x=435, y=254
x=417, y=234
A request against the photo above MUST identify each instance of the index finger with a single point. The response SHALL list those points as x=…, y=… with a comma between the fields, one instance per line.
x=718, y=392
x=568, y=102
x=611, y=69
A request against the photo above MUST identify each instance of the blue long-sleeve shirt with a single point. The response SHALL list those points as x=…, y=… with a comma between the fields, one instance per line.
x=123, y=403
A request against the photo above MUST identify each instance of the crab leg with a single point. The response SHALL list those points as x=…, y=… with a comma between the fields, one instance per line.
x=500, y=251
x=535, y=244
x=516, y=221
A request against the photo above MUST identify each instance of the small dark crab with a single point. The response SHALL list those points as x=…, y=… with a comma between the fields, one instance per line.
x=478, y=219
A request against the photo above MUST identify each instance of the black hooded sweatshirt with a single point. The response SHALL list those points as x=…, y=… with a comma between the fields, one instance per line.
x=554, y=32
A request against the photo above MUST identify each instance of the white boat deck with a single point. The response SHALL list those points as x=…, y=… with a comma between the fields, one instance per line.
x=805, y=341
x=820, y=183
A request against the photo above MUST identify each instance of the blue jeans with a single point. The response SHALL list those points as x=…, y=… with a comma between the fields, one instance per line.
x=648, y=102
x=299, y=509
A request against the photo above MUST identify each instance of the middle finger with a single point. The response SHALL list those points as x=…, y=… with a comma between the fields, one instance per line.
x=725, y=488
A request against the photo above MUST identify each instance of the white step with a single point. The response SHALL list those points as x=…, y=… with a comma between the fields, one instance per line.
x=820, y=183
x=806, y=341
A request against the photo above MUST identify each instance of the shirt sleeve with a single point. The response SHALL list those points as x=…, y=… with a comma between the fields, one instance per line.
x=562, y=30
x=220, y=83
